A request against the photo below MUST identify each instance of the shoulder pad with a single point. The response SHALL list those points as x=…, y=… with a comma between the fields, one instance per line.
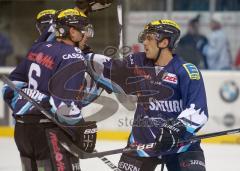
x=192, y=71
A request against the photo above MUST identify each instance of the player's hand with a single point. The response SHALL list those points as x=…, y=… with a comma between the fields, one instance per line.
x=170, y=134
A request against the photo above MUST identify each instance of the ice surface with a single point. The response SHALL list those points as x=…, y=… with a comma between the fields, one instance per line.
x=219, y=157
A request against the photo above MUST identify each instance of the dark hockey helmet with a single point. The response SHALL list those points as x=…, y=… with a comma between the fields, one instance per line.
x=64, y=19
x=162, y=29
x=44, y=19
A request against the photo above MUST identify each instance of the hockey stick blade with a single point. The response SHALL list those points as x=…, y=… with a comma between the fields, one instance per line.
x=110, y=164
x=69, y=146
x=7, y=81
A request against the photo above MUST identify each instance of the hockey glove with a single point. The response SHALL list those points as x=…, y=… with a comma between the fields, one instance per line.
x=86, y=134
x=87, y=49
x=93, y=5
x=104, y=2
x=10, y=96
x=170, y=134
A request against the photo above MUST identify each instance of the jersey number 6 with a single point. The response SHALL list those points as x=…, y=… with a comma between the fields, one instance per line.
x=32, y=83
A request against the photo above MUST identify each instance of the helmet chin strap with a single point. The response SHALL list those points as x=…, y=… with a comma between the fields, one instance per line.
x=76, y=44
x=158, y=55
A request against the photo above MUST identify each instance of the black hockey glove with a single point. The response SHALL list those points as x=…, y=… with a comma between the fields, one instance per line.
x=86, y=134
x=170, y=134
x=87, y=49
x=92, y=5
x=104, y=2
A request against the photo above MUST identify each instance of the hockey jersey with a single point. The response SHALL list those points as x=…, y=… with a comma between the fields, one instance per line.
x=45, y=61
x=170, y=92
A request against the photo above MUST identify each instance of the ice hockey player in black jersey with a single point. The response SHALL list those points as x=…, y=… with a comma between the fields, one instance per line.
x=45, y=25
x=171, y=100
x=44, y=20
x=36, y=136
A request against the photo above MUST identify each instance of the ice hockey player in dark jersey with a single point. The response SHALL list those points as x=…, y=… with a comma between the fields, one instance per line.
x=171, y=100
x=35, y=135
x=45, y=25
x=45, y=18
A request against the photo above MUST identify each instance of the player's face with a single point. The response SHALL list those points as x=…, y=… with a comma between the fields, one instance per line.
x=77, y=36
x=150, y=46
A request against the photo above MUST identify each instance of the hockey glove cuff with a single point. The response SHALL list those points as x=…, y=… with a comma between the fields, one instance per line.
x=86, y=134
x=170, y=134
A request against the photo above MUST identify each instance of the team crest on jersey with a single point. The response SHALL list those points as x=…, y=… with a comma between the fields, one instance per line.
x=170, y=78
x=192, y=71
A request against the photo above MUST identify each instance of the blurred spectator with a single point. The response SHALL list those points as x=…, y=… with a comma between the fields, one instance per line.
x=191, y=44
x=191, y=5
x=6, y=49
x=237, y=60
x=218, y=50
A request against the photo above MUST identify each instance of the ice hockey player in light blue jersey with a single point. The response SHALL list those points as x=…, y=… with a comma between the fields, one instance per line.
x=171, y=100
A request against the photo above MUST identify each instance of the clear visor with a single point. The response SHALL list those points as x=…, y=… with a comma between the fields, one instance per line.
x=88, y=30
x=146, y=35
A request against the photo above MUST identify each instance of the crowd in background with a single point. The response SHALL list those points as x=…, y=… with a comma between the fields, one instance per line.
x=210, y=51
x=206, y=51
x=6, y=47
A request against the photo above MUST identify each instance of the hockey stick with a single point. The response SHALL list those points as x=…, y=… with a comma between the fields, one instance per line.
x=151, y=146
x=7, y=81
x=77, y=152
x=35, y=104
x=109, y=163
